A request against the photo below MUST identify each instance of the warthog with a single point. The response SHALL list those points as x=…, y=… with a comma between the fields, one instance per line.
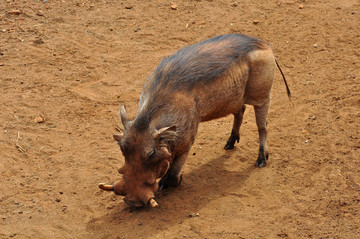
x=205, y=81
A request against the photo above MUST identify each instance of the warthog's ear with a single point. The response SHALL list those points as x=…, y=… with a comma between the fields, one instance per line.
x=124, y=117
x=118, y=137
x=166, y=133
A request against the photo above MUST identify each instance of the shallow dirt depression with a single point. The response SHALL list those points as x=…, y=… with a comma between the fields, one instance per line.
x=66, y=66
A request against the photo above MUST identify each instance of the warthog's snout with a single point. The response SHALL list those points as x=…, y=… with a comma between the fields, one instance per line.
x=137, y=198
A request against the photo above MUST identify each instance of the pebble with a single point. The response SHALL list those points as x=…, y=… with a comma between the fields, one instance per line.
x=174, y=7
x=301, y=6
x=315, y=45
x=256, y=21
x=39, y=120
x=235, y=4
x=39, y=41
x=128, y=7
x=40, y=13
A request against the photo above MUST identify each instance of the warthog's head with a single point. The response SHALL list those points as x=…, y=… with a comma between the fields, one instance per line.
x=147, y=159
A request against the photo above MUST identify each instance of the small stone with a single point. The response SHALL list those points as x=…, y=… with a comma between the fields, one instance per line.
x=58, y=200
x=301, y=6
x=235, y=4
x=128, y=7
x=39, y=41
x=45, y=1
x=306, y=141
x=256, y=21
x=39, y=120
x=140, y=223
x=314, y=117
x=315, y=45
x=14, y=12
x=174, y=7
x=40, y=13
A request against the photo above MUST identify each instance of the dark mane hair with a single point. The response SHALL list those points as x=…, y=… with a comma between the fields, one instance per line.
x=203, y=62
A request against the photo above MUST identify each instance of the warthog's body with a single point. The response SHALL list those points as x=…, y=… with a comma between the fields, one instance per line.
x=205, y=81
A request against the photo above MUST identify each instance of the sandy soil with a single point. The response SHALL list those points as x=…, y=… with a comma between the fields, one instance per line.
x=72, y=63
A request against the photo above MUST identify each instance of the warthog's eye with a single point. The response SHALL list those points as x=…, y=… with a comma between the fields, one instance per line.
x=151, y=155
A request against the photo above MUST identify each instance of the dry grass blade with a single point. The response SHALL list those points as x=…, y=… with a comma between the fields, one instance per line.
x=18, y=146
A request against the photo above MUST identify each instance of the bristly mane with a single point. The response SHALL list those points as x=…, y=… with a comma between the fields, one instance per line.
x=201, y=63
x=143, y=119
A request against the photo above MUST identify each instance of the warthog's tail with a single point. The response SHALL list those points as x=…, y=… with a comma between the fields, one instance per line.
x=287, y=87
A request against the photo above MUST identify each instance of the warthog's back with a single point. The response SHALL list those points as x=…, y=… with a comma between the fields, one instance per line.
x=212, y=74
x=204, y=62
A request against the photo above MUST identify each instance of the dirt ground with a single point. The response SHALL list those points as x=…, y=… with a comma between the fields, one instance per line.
x=66, y=66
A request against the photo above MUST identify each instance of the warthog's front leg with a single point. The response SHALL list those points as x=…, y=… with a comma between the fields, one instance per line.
x=173, y=177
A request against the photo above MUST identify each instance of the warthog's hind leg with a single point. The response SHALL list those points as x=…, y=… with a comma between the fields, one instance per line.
x=261, y=114
x=235, y=132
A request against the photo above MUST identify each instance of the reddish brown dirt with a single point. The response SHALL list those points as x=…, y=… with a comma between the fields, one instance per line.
x=74, y=62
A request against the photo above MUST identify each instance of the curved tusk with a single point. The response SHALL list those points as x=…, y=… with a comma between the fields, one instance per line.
x=106, y=187
x=153, y=203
